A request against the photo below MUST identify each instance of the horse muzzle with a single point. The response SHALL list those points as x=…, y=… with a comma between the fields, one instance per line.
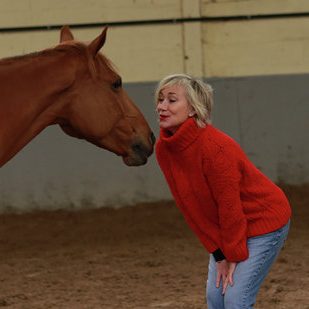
x=140, y=152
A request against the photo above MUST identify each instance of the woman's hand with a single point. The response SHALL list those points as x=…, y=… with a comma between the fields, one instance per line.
x=229, y=277
x=222, y=272
x=225, y=271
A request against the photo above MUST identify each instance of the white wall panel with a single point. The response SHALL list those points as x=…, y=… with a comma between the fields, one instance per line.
x=256, y=47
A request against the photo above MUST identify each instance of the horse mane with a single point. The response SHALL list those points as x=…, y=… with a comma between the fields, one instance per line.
x=62, y=48
x=74, y=48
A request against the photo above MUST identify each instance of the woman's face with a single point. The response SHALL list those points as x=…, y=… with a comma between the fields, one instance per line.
x=172, y=107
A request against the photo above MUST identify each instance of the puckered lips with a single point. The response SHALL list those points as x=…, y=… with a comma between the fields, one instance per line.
x=163, y=117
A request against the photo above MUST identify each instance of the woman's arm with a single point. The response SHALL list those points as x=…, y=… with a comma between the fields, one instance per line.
x=222, y=171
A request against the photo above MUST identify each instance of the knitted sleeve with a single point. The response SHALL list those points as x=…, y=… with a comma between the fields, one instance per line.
x=222, y=170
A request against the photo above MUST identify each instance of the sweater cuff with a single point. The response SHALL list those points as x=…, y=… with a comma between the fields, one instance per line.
x=218, y=255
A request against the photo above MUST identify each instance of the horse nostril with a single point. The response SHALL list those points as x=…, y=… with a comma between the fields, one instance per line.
x=152, y=138
x=141, y=150
x=138, y=149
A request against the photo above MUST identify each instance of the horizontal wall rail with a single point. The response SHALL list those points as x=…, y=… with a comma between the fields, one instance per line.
x=158, y=21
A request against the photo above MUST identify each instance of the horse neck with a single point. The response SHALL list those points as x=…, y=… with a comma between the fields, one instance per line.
x=30, y=97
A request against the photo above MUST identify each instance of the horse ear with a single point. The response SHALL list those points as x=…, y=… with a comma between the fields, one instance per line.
x=98, y=42
x=66, y=34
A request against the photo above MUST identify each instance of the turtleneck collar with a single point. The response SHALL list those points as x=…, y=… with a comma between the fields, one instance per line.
x=186, y=134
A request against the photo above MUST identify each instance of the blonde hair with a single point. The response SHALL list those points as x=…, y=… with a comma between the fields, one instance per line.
x=198, y=94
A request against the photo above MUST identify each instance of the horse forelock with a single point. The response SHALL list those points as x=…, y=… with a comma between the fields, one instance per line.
x=107, y=64
x=79, y=48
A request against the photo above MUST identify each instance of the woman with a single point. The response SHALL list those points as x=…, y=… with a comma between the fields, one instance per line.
x=239, y=215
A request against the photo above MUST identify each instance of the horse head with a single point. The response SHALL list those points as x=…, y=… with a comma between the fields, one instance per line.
x=99, y=109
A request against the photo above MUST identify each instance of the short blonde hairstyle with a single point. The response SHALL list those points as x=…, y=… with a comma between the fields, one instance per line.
x=198, y=94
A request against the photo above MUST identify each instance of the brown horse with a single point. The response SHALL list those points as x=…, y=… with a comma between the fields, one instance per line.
x=75, y=86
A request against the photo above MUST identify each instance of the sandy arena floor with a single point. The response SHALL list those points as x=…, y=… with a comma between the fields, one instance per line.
x=135, y=257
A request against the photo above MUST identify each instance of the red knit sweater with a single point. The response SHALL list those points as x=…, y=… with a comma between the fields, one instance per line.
x=224, y=198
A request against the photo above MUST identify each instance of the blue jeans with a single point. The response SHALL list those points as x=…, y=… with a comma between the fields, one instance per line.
x=248, y=275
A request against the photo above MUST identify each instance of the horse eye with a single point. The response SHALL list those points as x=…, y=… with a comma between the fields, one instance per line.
x=117, y=84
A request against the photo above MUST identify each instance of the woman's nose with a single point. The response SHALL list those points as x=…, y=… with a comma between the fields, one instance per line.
x=161, y=106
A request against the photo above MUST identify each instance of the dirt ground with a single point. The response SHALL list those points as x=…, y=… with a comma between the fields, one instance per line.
x=141, y=256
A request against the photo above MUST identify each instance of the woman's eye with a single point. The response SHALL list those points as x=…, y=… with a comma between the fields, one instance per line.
x=160, y=100
x=117, y=84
